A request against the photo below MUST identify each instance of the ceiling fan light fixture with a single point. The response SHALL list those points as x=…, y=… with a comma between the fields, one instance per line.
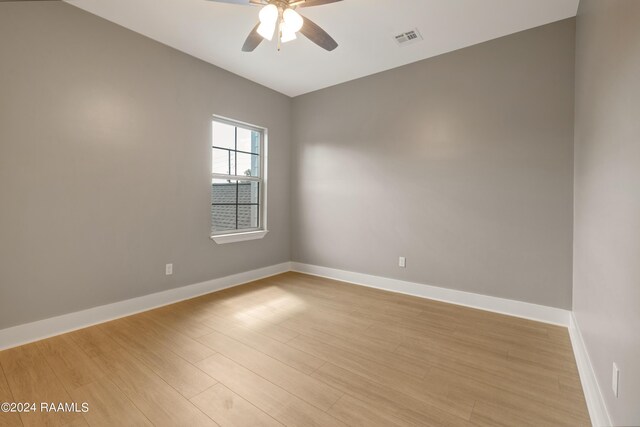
x=266, y=30
x=287, y=35
x=279, y=18
x=269, y=15
x=292, y=20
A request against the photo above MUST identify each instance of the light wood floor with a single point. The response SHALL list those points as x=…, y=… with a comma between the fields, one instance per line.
x=304, y=351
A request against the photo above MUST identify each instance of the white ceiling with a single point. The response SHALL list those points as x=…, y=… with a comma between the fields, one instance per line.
x=215, y=32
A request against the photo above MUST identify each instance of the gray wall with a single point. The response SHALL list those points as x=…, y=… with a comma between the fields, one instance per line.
x=462, y=163
x=606, y=288
x=105, y=164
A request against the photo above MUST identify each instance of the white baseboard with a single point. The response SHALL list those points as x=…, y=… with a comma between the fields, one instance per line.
x=592, y=394
x=525, y=310
x=29, y=332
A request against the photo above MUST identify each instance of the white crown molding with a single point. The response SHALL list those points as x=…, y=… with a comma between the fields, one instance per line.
x=541, y=313
x=592, y=392
x=29, y=332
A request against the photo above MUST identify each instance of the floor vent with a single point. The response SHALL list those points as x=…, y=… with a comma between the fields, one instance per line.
x=409, y=37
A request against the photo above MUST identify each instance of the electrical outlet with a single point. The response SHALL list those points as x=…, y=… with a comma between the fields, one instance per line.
x=614, y=379
x=168, y=269
x=402, y=262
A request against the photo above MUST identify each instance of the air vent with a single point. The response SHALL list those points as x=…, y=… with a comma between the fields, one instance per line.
x=409, y=37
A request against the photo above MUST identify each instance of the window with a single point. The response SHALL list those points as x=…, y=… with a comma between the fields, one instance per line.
x=237, y=181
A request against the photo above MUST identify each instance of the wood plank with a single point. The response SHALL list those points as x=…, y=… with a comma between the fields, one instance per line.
x=355, y=412
x=177, y=318
x=303, y=386
x=275, y=401
x=232, y=318
x=158, y=401
x=483, y=366
x=382, y=374
x=489, y=414
x=93, y=341
x=229, y=409
x=536, y=405
x=415, y=366
x=381, y=396
x=70, y=364
x=176, y=371
x=108, y=406
x=547, y=361
x=7, y=419
x=263, y=302
x=183, y=345
x=304, y=362
x=421, y=322
x=31, y=380
x=325, y=321
x=353, y=338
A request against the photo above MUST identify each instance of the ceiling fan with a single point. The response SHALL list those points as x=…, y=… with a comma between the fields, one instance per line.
x=280, y=18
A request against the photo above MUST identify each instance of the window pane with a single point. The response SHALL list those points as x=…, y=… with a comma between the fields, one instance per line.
x=248, y=192
x=235, y=203
x=248, y=141
x=248, y=164
x=223, y=191
x=223, y=162
x=223, y=218
x=224, y=135
x=247, y=216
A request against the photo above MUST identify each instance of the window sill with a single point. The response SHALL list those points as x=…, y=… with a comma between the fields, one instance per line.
x=239, y=237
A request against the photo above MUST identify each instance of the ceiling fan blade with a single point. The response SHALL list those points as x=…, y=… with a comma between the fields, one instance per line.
x=317, y=35
x=253, y=40
x=310, y=3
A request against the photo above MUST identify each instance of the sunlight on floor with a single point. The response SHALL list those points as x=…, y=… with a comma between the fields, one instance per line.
x=280, y=305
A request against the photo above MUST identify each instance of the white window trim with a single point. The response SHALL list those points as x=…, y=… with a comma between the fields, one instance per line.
x=222, y=239
x=247, y=234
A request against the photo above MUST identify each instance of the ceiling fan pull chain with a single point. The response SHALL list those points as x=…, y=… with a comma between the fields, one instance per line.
x=280, y=32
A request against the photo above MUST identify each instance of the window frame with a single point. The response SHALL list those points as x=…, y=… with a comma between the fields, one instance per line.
x=230, y=236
